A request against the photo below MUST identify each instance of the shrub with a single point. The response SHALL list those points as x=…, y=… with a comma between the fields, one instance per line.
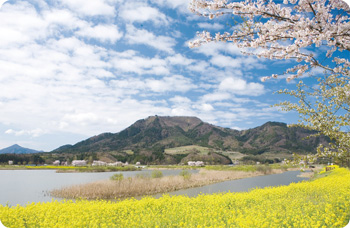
x=117, y=177
x=142, y=175
x=185, y=174
x=264, y=169
x=157, y=174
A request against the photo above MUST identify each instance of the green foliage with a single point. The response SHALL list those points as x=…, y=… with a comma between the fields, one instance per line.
x=264, y=169
x=253, y=159
x=117, y=177
x=178, y=157
x=185, y=174
x=325, y=109
x=156, y=174
x=142, y=175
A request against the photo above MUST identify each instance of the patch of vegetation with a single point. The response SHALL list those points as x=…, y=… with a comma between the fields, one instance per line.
x=117, y=177
x=185, y=174
x=156, y=174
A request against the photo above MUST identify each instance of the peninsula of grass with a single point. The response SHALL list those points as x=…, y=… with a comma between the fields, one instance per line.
x=146, y=185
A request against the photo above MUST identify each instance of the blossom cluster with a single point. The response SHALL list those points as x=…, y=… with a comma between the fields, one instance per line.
x=284, y=31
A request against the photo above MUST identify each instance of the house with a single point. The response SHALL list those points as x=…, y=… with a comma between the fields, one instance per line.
x=10, y=162
x=79, y=163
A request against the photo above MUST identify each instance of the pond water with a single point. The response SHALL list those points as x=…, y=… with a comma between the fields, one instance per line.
x=27, y=186
x=242, y=185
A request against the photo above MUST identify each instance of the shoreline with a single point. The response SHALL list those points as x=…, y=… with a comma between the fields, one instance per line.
x=140, y=186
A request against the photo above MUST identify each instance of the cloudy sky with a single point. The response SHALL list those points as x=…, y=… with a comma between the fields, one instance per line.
x=71, y=69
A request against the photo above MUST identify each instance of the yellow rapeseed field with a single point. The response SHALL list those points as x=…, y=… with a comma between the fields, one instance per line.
x=324, y=202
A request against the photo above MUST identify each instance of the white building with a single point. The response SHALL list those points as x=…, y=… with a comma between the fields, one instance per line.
x=79, y=163
x=10, y=162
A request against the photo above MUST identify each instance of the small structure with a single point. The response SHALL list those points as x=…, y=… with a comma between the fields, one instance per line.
x=79, y=163
x=138, y=163
x=57, y=162
x=195, y=163
x=10, y=162
x=99, y=163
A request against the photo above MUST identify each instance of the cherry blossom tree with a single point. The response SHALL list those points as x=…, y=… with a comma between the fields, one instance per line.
x=314, y=33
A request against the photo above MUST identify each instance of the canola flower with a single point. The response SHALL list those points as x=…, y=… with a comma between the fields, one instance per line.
x=324, y=202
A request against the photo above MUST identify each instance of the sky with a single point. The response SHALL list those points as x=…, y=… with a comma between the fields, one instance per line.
x=72, y=69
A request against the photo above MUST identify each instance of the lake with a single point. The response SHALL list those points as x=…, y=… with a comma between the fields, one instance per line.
x=27, y=186
x=242, y=185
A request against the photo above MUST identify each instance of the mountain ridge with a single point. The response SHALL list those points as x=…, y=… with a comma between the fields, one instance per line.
x=154, y=134
x=17, y=149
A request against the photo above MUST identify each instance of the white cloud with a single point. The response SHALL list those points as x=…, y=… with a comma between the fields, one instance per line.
x=179, y=59
x=104, y=33
x=82, y=119
x=21, y=23
x=216, y=96
x=225, y=61
x=130, y=62
x=142, y=36
x=180, y=100
x=32, y=133
x=211, y=26
x=136, y=12
x=204, y=107
x=67, y=68
x=241, y=87
x=215, y=48
x=182, y=4
x=90, y=8
x=172, y=83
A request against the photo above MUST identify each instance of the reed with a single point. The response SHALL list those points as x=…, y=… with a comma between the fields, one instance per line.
x=139, y=186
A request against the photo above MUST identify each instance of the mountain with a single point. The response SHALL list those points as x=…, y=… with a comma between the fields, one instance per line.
x=148, y=139
x=16, y=149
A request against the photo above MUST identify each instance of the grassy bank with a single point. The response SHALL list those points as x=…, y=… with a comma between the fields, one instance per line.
x=12, y=167
x=324, y=202
x=138, y=186
x=249, y=168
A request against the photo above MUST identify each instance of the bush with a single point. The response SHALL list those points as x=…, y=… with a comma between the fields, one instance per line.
x=264, y=169
x=185, y=174
x=142, y=175
x=117, y=177
x=157, y=174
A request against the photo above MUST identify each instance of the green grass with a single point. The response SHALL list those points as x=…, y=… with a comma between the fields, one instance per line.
x=172, y=167
x=187, y=149
x=246, y=168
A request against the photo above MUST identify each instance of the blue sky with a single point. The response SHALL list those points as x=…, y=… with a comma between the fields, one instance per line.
x=73, y=69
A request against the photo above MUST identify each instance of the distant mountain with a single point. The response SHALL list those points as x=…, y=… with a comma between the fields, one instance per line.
x=148, y=138
x=16, y=149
